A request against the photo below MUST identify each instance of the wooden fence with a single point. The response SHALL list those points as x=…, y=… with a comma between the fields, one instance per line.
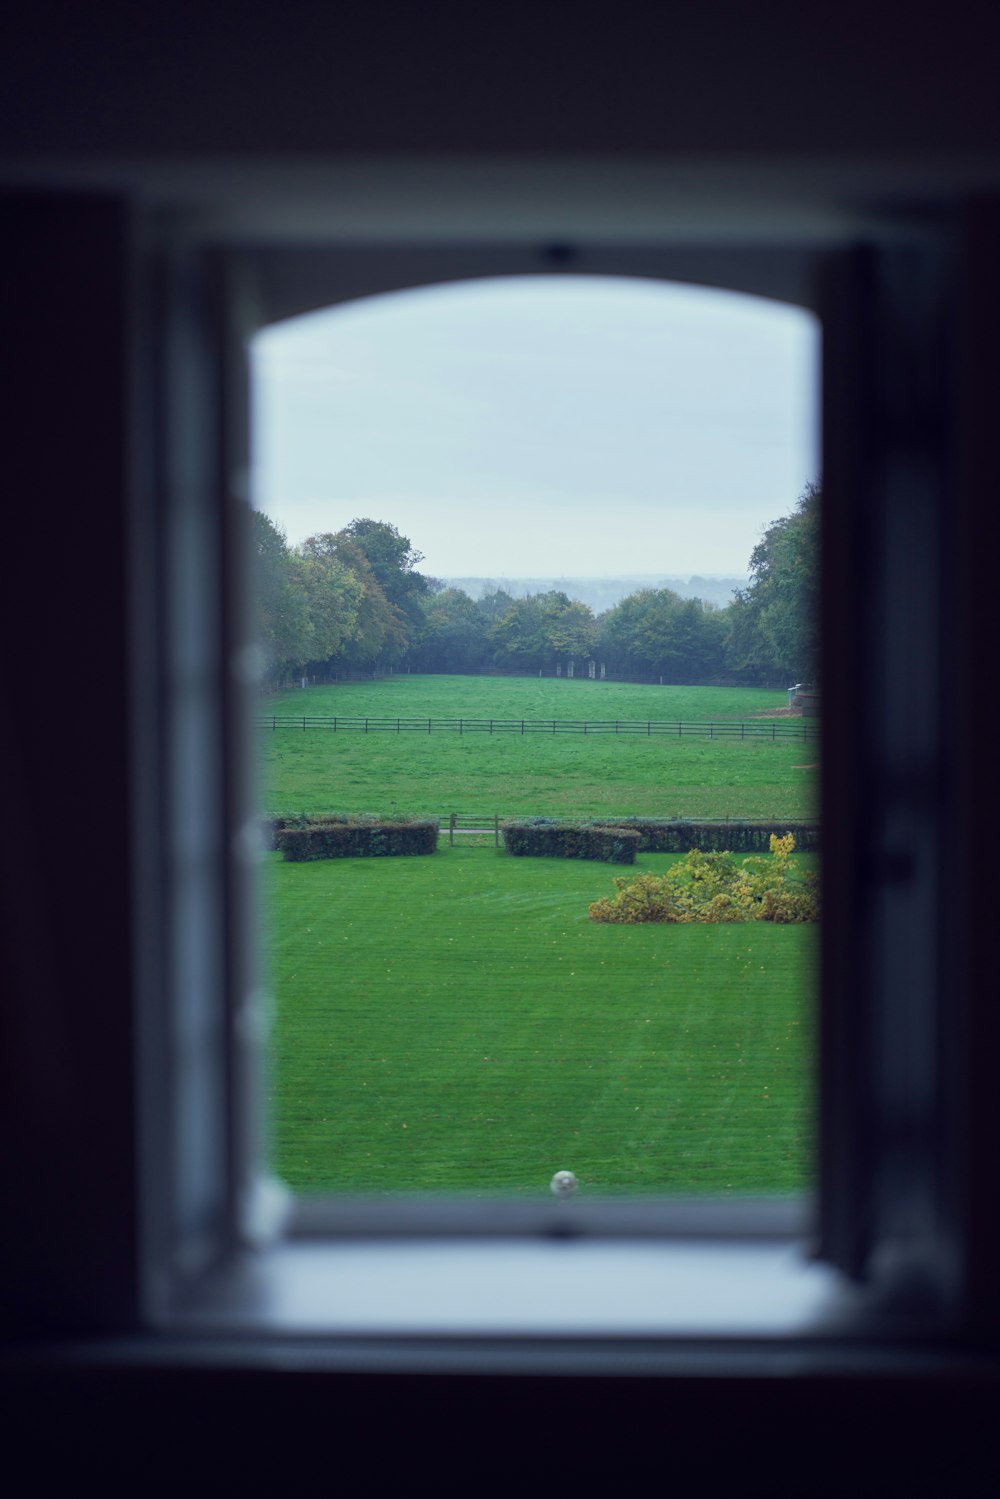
x=470, y=823
x=775, y=730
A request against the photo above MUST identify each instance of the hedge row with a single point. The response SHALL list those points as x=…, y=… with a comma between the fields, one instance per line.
x=612, y=840
x=657, y=836
x=338, y=836
x=539, y=837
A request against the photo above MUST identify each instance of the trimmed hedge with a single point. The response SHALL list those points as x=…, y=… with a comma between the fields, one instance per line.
x=539, y=837
x=339, y=836
x=657, y=836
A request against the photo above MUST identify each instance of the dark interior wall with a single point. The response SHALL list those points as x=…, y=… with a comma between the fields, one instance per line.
x=718, y=76
x=67, y=957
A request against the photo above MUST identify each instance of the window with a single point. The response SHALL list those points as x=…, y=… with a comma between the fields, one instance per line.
x=879, y=1186
x=575, y=426
x=908, y=1124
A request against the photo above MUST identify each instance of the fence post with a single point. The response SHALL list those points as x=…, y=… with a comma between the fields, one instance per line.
x=451, y=830
x=496, y=829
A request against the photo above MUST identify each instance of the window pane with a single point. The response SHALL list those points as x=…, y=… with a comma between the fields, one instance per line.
x=539, y=548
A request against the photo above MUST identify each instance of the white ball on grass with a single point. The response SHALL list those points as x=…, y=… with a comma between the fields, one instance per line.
x=563, y=1184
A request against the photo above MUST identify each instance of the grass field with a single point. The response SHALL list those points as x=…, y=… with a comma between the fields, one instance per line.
x=576, y=775
x=526, y=697
x=455, y=1023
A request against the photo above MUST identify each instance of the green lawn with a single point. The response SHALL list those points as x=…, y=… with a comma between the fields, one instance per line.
x=456, y=1023
x=525, y=697
x=564, y=774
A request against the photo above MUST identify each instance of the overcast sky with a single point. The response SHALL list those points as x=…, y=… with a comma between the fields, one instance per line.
x=532, y=426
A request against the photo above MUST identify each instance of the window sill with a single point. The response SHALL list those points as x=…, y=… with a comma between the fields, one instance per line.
x=515, y=1290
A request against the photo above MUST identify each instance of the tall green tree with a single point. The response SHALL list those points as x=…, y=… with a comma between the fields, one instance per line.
x=332, y=594
x=572, y=633
x=656, y=633
x=774, y=624
x=518, y=637
x=493, y=605
x=389, y=553
x=282, y=623
x=393, y=560
x=453, y=637
x=379, y=631
x=545, y=628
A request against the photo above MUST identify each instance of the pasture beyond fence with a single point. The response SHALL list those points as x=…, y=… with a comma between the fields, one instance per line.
x=775, y=730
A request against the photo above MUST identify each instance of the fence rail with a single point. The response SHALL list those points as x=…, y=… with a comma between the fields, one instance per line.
x=470, y=823
x=799, y=730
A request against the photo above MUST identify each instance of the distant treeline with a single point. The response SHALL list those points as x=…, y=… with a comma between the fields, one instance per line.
x=603, y=594
x=353, y=600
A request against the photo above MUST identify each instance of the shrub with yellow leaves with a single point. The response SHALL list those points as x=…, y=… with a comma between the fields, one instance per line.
x=715, y=888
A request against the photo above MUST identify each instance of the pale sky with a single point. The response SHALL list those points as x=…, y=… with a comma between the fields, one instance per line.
x=533, y=426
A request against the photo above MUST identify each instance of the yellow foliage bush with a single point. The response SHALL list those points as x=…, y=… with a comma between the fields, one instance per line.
x=715, y=888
